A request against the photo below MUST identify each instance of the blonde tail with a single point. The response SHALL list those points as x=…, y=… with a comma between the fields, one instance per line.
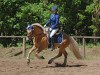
x=74, y=48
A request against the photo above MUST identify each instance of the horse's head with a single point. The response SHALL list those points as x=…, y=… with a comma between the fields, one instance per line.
x=30, y=31
x=34, y=30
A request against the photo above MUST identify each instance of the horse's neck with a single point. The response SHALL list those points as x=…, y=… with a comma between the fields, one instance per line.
x=38, y=38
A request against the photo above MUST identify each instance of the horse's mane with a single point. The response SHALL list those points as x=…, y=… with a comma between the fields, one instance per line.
x=39, y=25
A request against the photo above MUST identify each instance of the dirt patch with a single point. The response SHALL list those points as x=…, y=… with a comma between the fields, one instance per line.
x=40, y=67
x=10, y=52
x=16, y=65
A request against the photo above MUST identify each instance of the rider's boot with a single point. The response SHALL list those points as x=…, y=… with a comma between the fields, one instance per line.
x=52, y=44
x=49, y=46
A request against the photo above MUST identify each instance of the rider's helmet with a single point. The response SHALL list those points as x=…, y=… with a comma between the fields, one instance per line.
x=54, y=8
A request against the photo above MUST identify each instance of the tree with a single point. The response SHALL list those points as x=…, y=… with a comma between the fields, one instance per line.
x=78, y=17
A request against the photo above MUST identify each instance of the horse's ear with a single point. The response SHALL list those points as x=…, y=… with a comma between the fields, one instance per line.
x=29, y=27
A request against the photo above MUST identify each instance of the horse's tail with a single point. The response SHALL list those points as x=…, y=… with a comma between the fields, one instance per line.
x=74, y=48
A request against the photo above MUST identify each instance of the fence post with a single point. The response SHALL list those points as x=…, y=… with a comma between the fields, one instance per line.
x=24, y=46
x=84, y=47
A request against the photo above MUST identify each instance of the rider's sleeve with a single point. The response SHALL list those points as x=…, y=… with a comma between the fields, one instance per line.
x=56, y=22
x=48, y=22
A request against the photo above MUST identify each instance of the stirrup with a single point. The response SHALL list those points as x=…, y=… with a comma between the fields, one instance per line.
x=52, y=48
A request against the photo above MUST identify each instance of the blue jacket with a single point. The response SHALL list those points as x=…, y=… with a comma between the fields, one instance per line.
x=53, y=21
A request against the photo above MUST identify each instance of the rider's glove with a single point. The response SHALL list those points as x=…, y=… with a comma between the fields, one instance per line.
x=45, y=25
x=50, y=29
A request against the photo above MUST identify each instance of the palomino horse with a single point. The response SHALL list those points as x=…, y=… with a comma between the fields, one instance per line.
x=40, y=41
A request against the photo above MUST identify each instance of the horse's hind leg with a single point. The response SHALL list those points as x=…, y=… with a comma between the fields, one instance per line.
x=61, y=51
x=65, y=57
x=30, y=51
x=52, y=59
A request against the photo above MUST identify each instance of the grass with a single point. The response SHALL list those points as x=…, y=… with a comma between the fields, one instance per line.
x=17, y=45
x=90, y=45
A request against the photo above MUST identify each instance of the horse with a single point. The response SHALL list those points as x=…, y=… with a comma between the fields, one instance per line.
x=40, y=41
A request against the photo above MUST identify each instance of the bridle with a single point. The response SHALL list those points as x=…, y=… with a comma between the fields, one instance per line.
x=35, y=35
x=32, y=35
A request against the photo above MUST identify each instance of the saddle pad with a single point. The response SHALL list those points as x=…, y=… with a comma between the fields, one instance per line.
x=58, y=38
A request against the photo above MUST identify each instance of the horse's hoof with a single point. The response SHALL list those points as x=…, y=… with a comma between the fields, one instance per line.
x=28, y=61
x=63, y=65
x=50, y=61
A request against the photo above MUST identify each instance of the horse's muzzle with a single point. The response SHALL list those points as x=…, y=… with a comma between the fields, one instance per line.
x=28, y=38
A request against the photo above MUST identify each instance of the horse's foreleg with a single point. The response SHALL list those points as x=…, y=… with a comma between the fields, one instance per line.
x=52, y=59
x=30, y=51
x=37, y=54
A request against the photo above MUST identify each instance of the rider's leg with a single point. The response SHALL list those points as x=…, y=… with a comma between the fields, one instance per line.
x=51, y=39
x=53, y=32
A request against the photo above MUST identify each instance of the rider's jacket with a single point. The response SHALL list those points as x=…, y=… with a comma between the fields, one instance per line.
x=53, y=21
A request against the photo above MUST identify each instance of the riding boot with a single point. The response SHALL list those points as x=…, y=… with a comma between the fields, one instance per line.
x=49, y=46
x=52, y=43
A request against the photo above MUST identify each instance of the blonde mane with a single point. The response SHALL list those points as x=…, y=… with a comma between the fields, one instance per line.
x=39, y=25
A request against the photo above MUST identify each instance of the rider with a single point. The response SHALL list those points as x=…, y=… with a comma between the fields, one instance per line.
x=54, y=24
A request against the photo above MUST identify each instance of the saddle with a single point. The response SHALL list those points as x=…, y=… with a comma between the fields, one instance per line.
x=57, y=38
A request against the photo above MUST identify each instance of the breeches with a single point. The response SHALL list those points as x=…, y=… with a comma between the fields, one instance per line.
x=53, y=32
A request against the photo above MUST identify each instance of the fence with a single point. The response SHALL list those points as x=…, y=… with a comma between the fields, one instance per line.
x=24, y=41
x=83, y=41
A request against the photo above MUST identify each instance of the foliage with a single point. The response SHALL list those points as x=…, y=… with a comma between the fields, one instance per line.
x=75, y=15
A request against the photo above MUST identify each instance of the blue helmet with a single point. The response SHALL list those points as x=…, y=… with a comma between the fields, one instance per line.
x=54, y=8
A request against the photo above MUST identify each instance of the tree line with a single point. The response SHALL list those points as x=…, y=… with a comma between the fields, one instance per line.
x=78, y=17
